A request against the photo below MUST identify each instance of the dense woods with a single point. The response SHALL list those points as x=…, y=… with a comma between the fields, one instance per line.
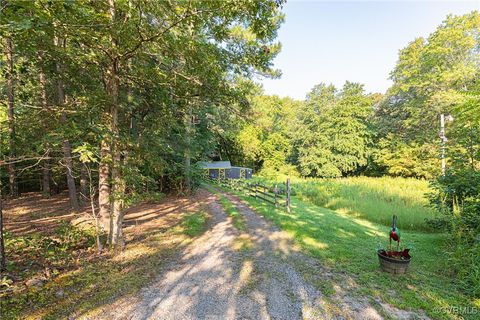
x=124, y=96
x=116, y=101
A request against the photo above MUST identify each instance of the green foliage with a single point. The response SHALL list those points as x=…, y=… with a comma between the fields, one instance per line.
x=86, y=152
x=266, y=140
x=182, y=83
x=430, y=74
x=400, y=159
x=336, y=133
x=333, y=135
x=433, y=76
x=52, y=250
x=457, y=195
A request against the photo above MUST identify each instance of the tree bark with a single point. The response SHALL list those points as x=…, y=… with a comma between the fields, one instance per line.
x=3, y=260
x=187, y=156
x=46, y=162
x=13, y=183
x=66, y=147
x=118, y=183
x=46, y=177
x=104, y=190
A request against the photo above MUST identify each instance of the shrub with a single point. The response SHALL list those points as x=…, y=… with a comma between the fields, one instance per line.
x=457, y=196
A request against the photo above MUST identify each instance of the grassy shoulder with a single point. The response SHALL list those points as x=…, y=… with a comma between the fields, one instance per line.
x=95, y=280
x=347, y=245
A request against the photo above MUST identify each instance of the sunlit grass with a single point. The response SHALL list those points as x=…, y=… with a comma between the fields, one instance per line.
x=373, y=199
x=193, y=225
x=347, y=245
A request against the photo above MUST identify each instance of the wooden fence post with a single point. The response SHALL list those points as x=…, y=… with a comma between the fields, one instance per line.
x=288, y=195
x=256, y=184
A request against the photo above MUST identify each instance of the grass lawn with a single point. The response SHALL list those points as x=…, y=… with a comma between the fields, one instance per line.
x=347, y=244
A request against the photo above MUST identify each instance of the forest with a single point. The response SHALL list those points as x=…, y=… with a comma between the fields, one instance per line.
x=115, y=102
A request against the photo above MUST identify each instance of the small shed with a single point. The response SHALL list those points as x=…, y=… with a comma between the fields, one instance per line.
x=224, y=169
x=240, y=173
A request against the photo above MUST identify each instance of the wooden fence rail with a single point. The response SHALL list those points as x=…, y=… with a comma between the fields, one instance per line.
x=276, y=196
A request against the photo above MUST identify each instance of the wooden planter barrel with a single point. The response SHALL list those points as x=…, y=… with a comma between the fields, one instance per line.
x=393, y=265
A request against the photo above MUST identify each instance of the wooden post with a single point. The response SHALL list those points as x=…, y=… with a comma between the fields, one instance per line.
x=264, y=189
x=256, y=185
x=288, y=195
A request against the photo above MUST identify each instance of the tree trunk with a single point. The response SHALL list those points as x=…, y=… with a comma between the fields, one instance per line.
x=83, y=186
x=13, y=183
x=46, y=162
x=118, y=183
x=187, y=153
x=117, y=209
x=67, y=156
x=66, y=147
x=104, y=187
x=3, y=260
x=46, y=178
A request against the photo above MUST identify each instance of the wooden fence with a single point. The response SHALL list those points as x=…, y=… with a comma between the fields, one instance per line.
x=278, y=195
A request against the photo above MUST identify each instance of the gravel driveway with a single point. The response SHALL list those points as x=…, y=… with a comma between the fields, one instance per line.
x=215, y=279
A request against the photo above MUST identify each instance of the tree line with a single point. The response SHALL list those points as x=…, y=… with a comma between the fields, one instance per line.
x=115, y=99
x=337, y=132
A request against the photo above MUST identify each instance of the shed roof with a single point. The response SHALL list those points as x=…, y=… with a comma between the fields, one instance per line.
x=215, y=165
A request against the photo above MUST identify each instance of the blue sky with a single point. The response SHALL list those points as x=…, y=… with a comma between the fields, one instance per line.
x=335, y=41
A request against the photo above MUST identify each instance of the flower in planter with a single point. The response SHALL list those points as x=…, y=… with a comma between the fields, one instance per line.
x=394, y=233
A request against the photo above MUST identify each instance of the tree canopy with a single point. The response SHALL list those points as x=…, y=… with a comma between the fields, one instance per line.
x=133, y=90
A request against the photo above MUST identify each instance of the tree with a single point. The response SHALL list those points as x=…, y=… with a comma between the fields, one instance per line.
x=333, y=135
x=266, y=137
x=150, y=87
x=11, y=117
x=431, y=77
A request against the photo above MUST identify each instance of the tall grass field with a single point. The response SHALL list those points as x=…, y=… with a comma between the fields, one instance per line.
x=372, y=199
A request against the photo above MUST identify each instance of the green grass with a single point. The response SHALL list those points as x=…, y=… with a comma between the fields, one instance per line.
x=373, y=199
x=194, y=224
x=346, y=245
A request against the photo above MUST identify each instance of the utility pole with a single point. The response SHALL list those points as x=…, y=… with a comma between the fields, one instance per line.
x=443, y=138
